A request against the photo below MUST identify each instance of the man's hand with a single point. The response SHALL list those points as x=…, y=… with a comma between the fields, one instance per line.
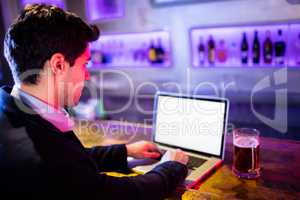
x=175, y=155
x=142, y=149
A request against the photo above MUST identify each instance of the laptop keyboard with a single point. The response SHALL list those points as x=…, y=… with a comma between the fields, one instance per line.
x=193, y=163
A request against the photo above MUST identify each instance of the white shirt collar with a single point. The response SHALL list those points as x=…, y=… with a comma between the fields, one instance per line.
x=59, y=118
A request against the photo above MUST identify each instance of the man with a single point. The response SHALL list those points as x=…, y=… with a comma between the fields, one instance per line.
x=47, y=51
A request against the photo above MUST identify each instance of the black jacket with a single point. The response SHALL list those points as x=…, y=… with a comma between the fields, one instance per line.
x=39, y=161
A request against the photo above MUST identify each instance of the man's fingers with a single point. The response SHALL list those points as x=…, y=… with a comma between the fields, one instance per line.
x=152, y=154
x=152, y=147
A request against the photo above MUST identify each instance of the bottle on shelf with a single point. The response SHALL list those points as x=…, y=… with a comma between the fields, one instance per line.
x=280, y=48
x=256, y=49
x=138, y=54
x=222, y=53
x=152, y=53
x=201, y=51
x=244, y=49
x=160, y=52
x=211, y=50
x=109, y=53
x=144, y=52
x=102, y=56
x=268, y=48
x=96, y=56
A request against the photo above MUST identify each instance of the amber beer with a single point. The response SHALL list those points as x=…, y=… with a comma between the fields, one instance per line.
x=246, y=156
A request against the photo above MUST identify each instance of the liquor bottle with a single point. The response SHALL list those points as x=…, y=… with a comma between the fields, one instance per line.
x=105, y=57
x=96, y=56
x=201, y=51
x=244, y=49
x=108, y=54
x=211, y=50
x=144, y=52
x=280, y=48
x=268, y=48
x=160, y=52
x=152, y=53
x=222, y=52
x=136, y=55
x=256, y=49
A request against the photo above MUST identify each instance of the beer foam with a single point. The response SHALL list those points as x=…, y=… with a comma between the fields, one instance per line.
x=246, y=142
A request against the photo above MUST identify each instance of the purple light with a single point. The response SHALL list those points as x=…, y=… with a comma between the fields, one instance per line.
x=130, y=49
x=104, y=9
x=232, y=37
x=58, y=3
x=294, y=45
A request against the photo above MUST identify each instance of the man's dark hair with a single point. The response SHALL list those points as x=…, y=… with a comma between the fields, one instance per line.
x=41, y=31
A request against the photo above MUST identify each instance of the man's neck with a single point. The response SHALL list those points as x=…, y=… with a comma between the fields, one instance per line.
x=41, y=105
x=42, y=93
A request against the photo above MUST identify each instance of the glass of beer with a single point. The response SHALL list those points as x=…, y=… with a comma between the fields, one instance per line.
x=246, y=153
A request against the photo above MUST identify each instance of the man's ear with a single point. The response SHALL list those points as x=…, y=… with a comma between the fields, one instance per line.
x=58, y=63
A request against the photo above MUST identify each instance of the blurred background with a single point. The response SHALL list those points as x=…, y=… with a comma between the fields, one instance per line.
x=245, y=50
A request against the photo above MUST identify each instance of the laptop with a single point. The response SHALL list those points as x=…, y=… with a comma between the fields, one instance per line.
x=195, y=124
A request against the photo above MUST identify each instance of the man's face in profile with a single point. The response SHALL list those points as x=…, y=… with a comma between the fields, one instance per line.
x=77, y=74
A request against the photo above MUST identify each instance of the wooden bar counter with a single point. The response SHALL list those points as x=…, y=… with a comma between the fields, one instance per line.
x=279, y=160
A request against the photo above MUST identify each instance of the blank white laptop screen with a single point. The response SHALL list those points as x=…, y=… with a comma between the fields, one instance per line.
x=193, y=124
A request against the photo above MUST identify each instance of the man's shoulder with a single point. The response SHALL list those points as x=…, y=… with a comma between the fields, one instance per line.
x=15, y=113
x=5, y=121
x=11, y=116
x=14, y=138
x=16, y=145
